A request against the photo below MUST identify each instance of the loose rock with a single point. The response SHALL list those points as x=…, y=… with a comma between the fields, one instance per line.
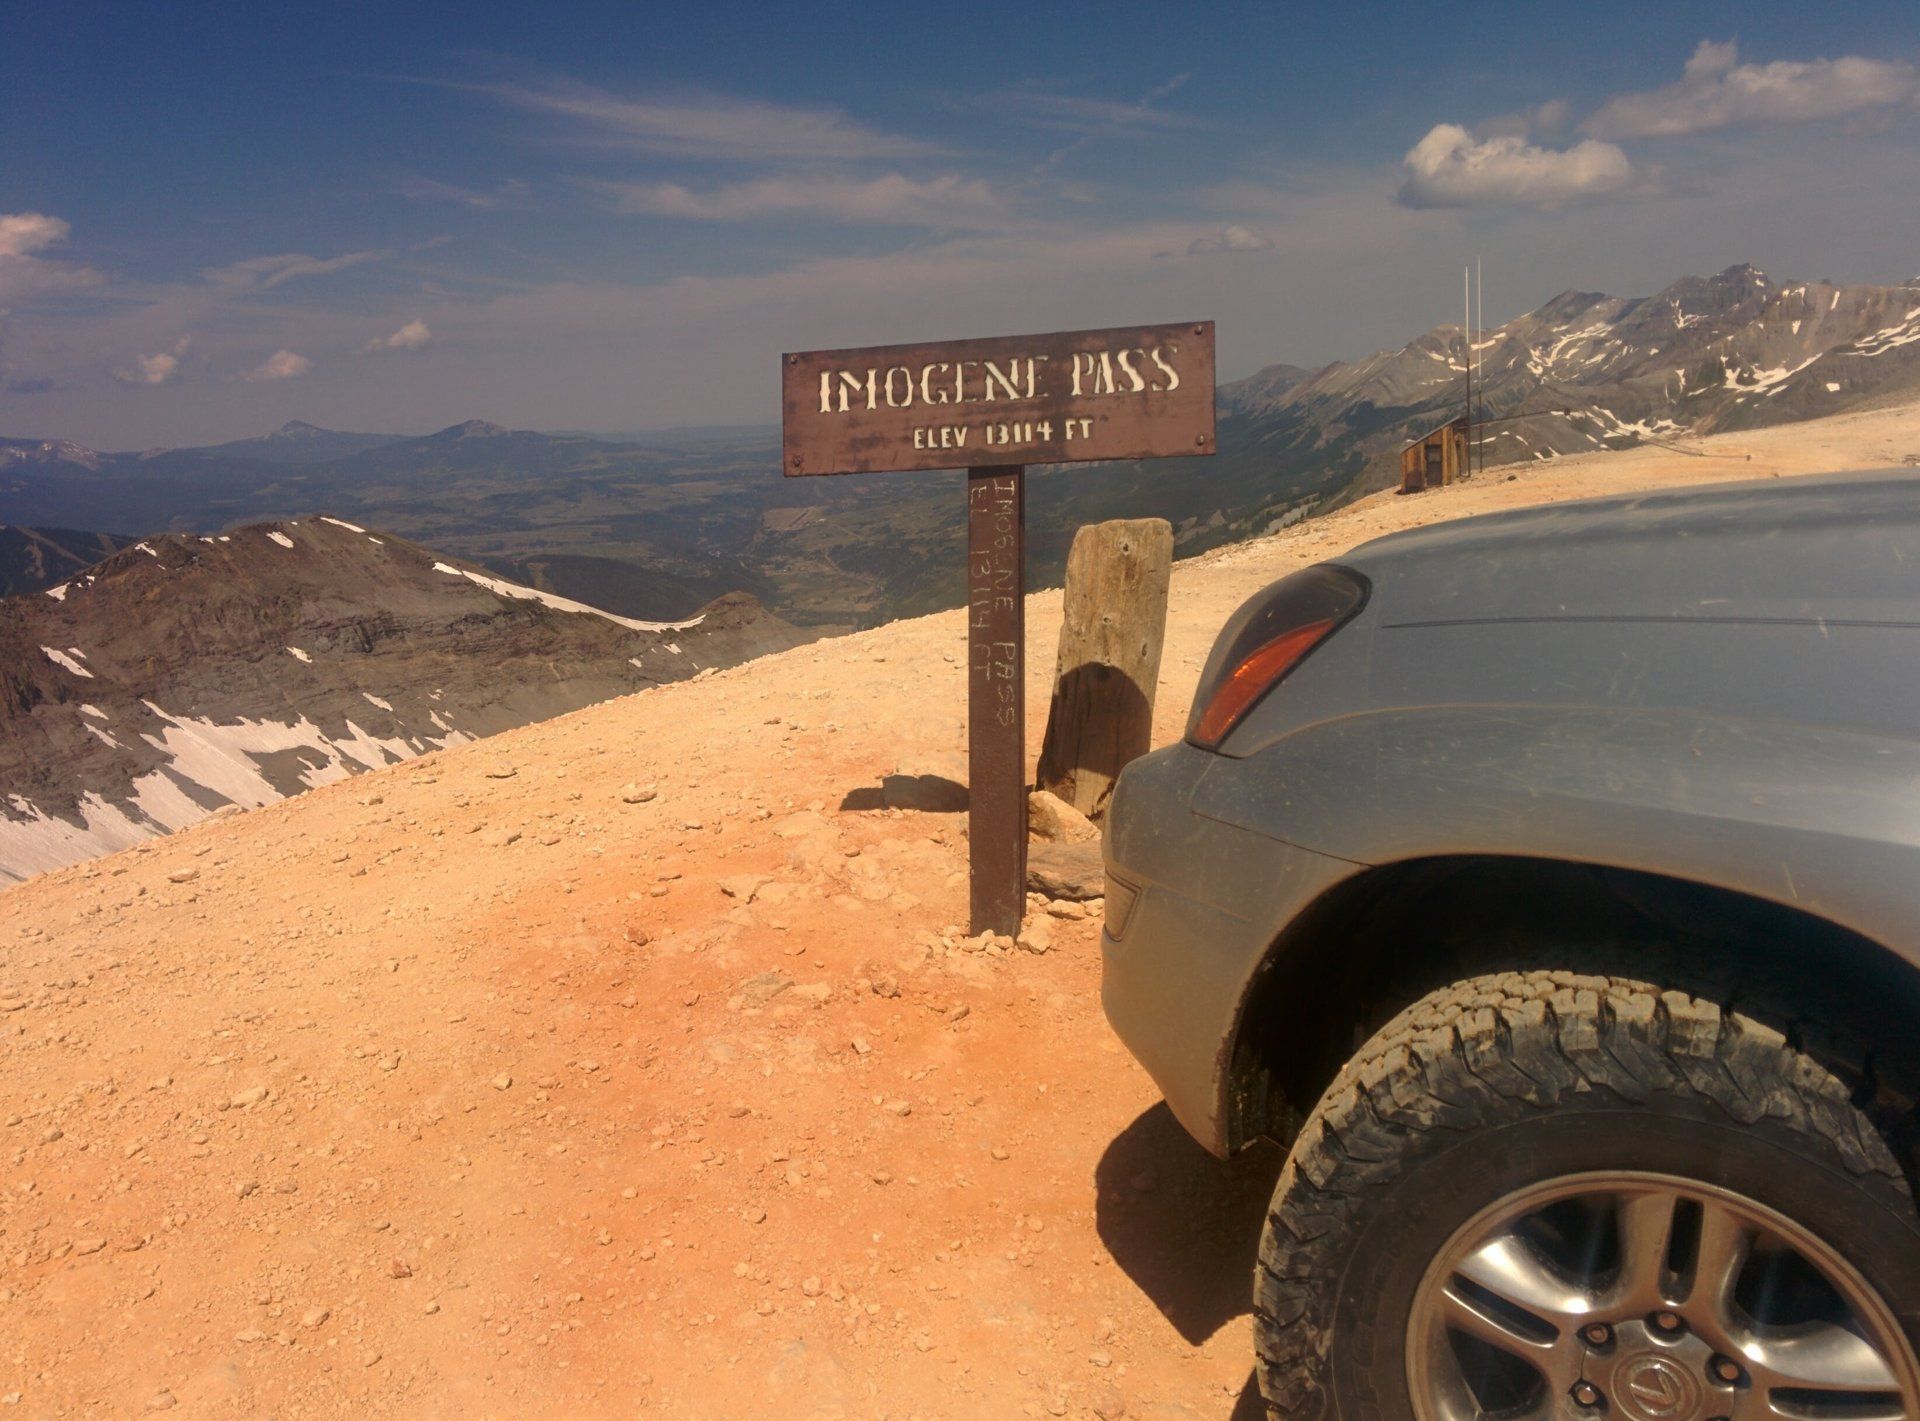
x=1051, y=817
x=1067, y=871
x=758, y=991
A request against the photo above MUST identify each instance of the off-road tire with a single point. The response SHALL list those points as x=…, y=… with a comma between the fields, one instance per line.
x=1496, y=1082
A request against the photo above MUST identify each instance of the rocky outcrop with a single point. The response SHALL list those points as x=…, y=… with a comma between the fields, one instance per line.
x=185, y=674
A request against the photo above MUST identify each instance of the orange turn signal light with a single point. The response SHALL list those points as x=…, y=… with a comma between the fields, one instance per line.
x=1255, y=676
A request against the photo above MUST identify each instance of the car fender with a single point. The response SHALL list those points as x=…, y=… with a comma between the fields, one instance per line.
x=1823, y=819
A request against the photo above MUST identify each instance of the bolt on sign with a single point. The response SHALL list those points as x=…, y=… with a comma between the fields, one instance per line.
x=992, y=407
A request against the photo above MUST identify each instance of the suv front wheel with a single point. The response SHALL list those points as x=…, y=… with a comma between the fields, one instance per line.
x=1548, y=1194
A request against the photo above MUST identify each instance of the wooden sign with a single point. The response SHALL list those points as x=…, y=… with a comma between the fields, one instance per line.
x=1138, y=392
x=992, y=407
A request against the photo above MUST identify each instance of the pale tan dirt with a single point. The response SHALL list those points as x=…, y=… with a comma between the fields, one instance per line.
x=531, y=1145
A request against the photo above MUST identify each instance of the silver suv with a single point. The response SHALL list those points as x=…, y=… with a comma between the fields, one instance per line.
x=1549, y=884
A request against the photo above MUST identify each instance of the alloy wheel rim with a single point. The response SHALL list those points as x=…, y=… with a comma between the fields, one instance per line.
x=1631, y=1296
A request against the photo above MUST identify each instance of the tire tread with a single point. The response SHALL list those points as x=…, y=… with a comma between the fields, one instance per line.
x=1485, y=1051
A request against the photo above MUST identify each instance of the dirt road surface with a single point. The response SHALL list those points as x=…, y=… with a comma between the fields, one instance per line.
x=632, y=1064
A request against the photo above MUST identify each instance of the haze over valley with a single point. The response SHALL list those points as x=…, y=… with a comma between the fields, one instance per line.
x=656, y=529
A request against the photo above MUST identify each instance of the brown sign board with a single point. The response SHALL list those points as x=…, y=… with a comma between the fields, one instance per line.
x=1136, y=392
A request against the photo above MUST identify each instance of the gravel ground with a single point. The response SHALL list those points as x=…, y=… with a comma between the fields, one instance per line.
x=633, y=1063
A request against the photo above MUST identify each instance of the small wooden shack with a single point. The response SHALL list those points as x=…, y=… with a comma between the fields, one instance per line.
x=1436, y=458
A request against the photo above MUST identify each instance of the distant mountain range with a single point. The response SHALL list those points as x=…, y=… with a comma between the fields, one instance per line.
x=186, y=673
x=297, y=443
x=656, y=529
x=1733, y=351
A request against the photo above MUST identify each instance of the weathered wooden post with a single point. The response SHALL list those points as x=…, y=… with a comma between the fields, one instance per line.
x=993, y=407
x=1108, y=667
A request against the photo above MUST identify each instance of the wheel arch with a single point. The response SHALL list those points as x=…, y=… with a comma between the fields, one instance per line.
x=1385, y=936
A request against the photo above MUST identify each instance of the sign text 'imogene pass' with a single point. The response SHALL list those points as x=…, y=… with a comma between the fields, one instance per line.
x=1131, y=393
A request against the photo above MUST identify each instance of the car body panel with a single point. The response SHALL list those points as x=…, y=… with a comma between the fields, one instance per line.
x=1822, y=820
x=1718, y=684
x=1200, y=931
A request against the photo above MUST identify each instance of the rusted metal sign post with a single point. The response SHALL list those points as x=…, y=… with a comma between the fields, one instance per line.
x=996, y=697
x=992, y=407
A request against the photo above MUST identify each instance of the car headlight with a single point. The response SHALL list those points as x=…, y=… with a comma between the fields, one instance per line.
x=1266, y=639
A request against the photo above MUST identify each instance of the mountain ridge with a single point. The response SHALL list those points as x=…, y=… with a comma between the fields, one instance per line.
x=1582, y=371
x=187, y=672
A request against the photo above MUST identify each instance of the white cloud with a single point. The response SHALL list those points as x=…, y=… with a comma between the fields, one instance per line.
x=1717, y=91
x=1547, y=120
x=265, y=273
x=1451, y=168
x=412, y=336
x=281, y=365
x=22, y=233
x=704, y=125
x=1231, y=238
x=949, y=201
x=160, y=369
x=22, y=272
x=971, y=281
x=510, y=193
x=1079, y=114
x=1710, y=58
x=1096, y=119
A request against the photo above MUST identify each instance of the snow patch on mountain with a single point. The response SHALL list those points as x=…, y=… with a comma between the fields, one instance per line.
x=1880, y=342
x=1731, y=351
x=199, y=756
x=501, y=587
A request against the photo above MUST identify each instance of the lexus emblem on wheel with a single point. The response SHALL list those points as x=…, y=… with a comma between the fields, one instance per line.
x=1653, y=1387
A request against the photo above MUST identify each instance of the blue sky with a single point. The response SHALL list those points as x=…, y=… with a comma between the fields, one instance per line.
x=615, y=216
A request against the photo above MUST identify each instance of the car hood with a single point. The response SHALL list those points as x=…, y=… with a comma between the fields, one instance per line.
x=1826, y=547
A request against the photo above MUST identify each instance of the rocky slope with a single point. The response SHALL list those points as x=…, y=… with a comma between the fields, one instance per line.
x=186, y=674
x=1588, y=371
x=472, y=1088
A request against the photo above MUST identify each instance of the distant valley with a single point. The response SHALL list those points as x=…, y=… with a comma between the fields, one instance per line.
x=655, y=529
x=33, y=559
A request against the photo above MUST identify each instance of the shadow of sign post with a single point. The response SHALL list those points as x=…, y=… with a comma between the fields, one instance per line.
x=992, y=407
